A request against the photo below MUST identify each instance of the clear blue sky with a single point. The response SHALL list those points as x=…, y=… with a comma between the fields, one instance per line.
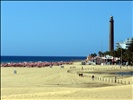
x=62, y=28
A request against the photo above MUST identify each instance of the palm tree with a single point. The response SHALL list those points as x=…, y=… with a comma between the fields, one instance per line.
x=130, y=48
x=100, y=53
x=107, y=53
x=128, y=54
x=93, y=54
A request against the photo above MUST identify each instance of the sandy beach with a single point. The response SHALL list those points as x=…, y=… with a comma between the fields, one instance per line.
x=57, y=84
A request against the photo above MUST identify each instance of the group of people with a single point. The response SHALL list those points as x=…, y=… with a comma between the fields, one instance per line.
x=81, y=75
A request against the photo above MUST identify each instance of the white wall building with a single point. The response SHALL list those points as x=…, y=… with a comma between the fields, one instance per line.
x=125, y=44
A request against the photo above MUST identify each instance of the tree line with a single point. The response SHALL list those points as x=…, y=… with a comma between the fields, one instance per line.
x=127, y=54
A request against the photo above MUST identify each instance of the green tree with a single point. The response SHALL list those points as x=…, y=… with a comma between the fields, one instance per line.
x=128, y=56
x=101, y=54
x=118, y=52
x=93, y=54
x=107, y=53
x=130, y=48
x=129, y=53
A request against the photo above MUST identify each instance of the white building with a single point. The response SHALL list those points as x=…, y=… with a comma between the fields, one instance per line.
x=125, y=44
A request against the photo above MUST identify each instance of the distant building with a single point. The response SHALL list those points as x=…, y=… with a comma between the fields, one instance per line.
x=102, y=60
x=125, y=44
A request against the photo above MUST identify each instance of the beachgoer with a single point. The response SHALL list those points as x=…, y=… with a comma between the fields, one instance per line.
x=15, y=72
x=115, y=79
x=93, y=77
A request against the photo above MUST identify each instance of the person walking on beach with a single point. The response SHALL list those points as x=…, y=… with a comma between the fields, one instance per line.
x=15, y=72
x=115, y=79
x=93, y=77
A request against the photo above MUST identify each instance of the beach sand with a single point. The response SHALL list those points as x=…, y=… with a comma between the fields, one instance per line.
x=56, y=84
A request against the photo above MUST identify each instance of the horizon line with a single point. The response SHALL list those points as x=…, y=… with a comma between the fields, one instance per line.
x=41, y=56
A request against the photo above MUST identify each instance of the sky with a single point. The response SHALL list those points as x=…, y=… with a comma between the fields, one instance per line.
x=62, y=28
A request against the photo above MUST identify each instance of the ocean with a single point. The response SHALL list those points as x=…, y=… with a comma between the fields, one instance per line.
x=6, y=59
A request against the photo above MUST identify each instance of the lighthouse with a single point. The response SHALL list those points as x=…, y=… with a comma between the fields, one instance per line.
x=111, y=34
